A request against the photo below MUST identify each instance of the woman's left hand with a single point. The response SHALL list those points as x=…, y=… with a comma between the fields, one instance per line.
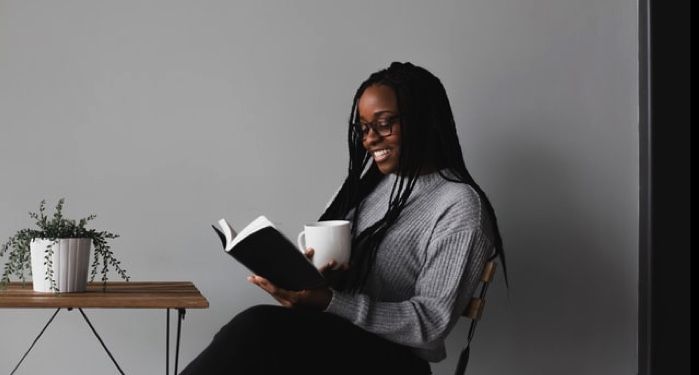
x=317, y=299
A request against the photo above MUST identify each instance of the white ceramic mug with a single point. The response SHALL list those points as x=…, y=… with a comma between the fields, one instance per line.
x=329, y=239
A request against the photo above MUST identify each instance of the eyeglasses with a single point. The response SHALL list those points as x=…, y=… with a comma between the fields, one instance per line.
x=382, y=126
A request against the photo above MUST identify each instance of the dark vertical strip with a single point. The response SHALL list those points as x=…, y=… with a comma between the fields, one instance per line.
x=644, y=224
x=664, y=254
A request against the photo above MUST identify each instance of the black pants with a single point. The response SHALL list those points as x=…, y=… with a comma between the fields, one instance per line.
x=277, y=340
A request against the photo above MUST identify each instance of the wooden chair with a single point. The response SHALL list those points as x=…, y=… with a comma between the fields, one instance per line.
x=473, y=311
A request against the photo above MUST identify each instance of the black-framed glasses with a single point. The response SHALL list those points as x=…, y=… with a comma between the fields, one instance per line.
x=381, y=126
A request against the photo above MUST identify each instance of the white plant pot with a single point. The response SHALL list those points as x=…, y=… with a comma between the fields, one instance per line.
x=70, y=263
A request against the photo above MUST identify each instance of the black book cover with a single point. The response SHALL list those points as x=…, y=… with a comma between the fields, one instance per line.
x=269, y=254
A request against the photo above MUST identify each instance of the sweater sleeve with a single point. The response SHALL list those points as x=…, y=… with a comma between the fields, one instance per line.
x=443, y=287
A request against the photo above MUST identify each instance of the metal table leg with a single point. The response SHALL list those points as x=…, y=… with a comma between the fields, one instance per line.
x=88, y=323
x=35, y=340
x=180, y=318
x=167, y=343
x=101, y=342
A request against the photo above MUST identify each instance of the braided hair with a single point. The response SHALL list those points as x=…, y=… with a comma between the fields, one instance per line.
x=428, y=140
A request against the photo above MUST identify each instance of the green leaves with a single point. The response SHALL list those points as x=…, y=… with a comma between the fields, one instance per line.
x=48, y=262
x=17, y=250
x=18, y=253
x=59, y=226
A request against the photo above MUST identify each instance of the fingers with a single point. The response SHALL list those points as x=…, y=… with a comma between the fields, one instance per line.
x=331, y=265
x=270, y=288
x=283, y=296
x=316, y=298
x=309, y=252
x=264, y=284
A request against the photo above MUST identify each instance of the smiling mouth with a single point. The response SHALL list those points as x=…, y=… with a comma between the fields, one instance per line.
x=381, y=155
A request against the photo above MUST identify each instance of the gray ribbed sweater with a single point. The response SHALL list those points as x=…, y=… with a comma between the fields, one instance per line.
x=427, y=266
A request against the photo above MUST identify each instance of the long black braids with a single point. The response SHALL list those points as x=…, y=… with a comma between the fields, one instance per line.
x=428, y=140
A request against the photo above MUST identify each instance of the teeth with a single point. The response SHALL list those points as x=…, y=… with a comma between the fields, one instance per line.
x=381, y=154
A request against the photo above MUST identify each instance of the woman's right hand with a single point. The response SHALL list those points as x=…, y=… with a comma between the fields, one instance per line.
x=330, y=271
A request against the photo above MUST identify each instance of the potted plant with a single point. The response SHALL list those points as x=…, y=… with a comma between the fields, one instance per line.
x=57, y=252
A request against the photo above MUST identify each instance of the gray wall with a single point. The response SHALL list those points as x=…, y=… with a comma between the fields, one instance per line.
x=163, y=116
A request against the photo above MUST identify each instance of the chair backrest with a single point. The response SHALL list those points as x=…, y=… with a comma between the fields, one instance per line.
x=474, y=311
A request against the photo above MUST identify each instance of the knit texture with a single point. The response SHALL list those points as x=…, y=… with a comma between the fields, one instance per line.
x=427, y=267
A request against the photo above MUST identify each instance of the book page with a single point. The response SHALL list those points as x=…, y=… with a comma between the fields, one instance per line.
x=228, y=231
x=254, y=226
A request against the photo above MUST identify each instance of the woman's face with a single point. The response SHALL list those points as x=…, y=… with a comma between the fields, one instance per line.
x=378, y=108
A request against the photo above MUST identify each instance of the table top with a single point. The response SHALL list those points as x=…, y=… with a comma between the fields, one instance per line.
x=118, y=295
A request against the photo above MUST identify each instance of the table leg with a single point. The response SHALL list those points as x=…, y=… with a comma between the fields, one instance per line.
x=101, y=342
x=180, y=318
x=167, y=342
x=35, y=340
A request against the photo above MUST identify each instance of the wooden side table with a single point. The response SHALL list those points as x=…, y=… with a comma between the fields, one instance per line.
x=180, y=295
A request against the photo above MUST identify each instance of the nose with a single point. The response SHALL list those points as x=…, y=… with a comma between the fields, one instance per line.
x=372, y=137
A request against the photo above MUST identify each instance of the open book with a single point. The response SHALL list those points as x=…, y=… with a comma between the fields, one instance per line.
x=265, y=251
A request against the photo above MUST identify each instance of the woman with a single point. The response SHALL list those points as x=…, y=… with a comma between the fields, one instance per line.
x=422, y=230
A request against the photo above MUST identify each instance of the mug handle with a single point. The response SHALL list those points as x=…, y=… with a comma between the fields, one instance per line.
x=301, y=244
